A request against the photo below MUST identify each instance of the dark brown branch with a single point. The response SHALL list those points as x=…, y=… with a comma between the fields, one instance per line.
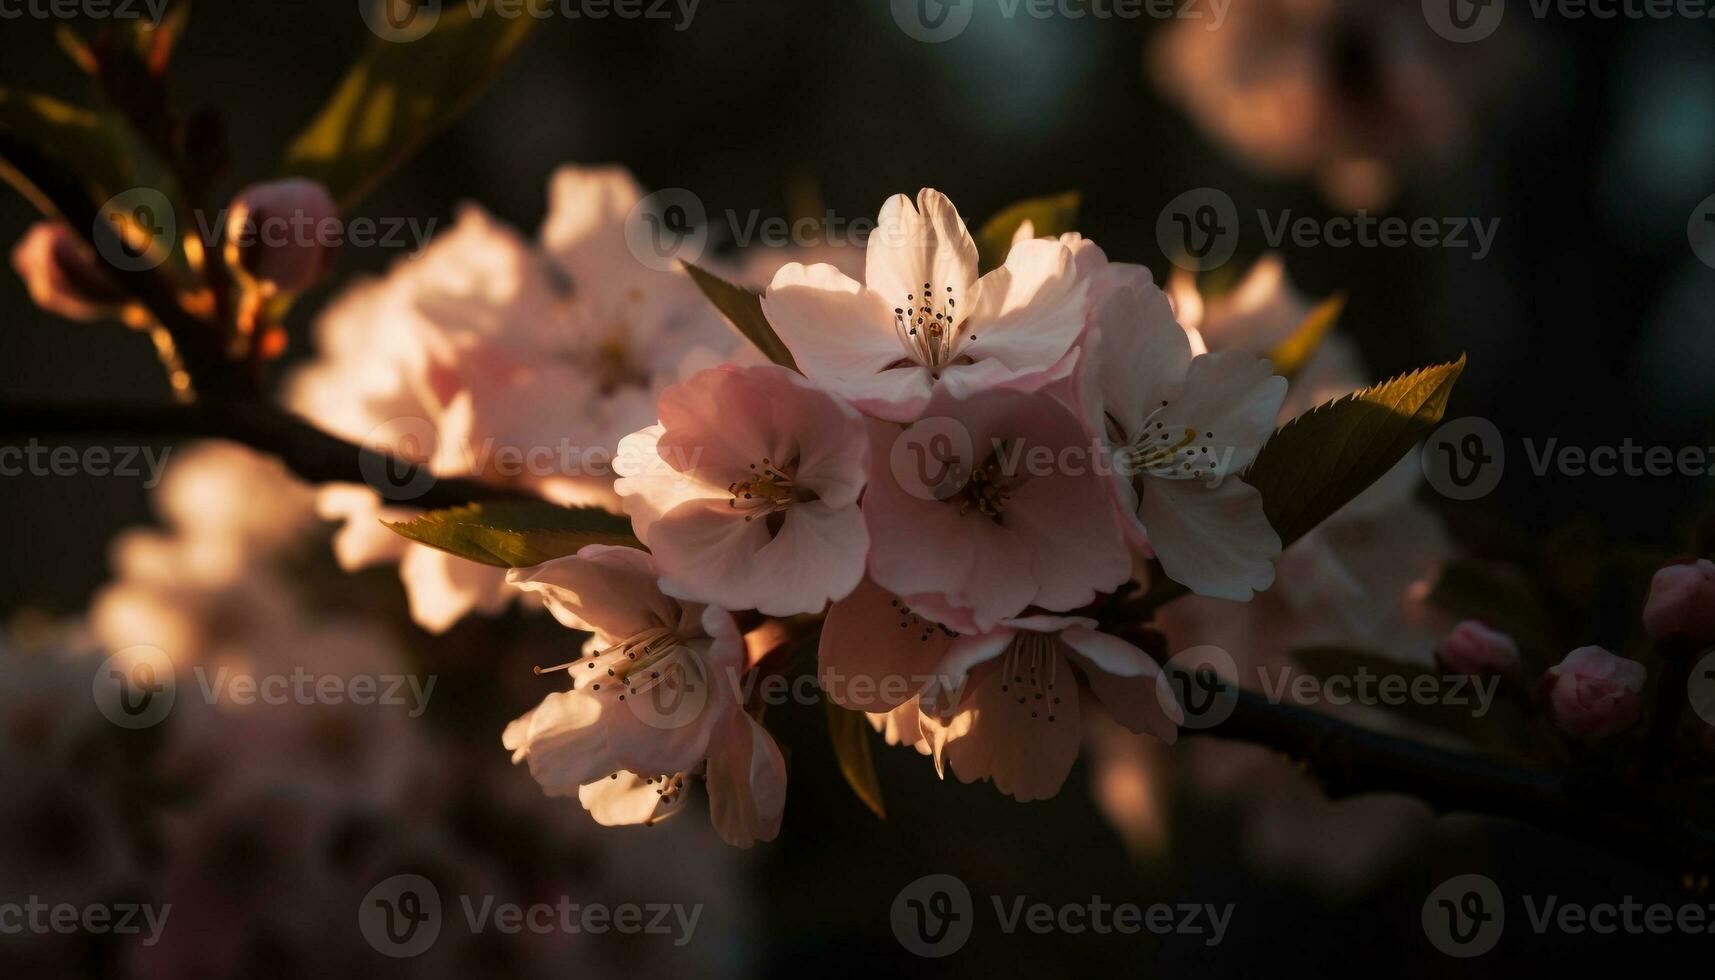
x=307, y=451
x=1350, y=760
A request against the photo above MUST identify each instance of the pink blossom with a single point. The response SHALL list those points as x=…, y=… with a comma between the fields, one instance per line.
x=656, y=700
x=1021, y=517
x=1593, y=693
x=283, y=233
x=1682, y=602
x=923, y=322
x=62, y=275
x=747, y=491
x=1473, y=648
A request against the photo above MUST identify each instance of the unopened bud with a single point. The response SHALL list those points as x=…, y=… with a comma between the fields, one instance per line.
x=1681, y=602
x=1593, y=694
x=63, y=275
x=284, y=233
x=1473, y=648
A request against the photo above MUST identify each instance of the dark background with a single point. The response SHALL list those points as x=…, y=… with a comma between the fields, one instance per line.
x=1590, y=321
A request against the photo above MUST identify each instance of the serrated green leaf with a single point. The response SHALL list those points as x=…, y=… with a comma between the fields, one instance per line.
x=1049, y=217
x=516, y=534
x=743, y=307
x=1317, y=462
x=1291, y=354
x=850, y=734
x=399, y=95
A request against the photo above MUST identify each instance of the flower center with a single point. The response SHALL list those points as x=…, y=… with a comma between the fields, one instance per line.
x=988, y=489
x=931, y=335
x=1029, y=670
x=767, y=493
x=636, y=664
x=1170, y=451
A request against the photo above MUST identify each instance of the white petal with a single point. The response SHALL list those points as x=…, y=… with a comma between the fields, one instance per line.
x=1214, y=540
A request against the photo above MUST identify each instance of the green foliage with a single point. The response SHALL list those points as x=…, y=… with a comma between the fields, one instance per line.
x=744, y=308
x=516, y=534
x=850, y=734
x=1313, y=465
x=398, y=96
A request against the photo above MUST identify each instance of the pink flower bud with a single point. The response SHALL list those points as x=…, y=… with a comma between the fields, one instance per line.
x=1473, y=648
x=1593, y=693
x=284, y=233
x=1682, y=602
x=63, y=275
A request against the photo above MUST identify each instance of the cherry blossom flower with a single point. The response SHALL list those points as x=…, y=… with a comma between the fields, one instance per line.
x=1006, y=704
x=1020, y=518
x=747, y=491
x=62, y=274
x=1182, y=428
x=656, y=699
x=486, y=355
x=922, y=322
x=1594, y=694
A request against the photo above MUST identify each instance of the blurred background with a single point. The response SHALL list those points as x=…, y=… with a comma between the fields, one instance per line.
x=1591, y=319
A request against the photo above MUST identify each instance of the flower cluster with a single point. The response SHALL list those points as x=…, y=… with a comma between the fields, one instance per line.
x=965, y=466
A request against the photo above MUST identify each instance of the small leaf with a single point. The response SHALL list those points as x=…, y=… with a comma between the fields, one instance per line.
x=399, y=95
x=1049, y=216
x=1317, y=462
x=516, y=534
x=743, y=307
x=849, y=731
x=1294, y=352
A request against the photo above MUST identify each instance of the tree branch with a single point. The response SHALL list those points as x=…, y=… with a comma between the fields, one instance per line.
x=1349, y=760
x=306, y=451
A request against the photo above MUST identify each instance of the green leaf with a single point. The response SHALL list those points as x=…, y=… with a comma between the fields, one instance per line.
x=1317, y=462
x=850, y=733
x=516, y=534
x=399, y=95
x=1294, y=352
x=69, y=162
x=744, y=308
x=1049, y=216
